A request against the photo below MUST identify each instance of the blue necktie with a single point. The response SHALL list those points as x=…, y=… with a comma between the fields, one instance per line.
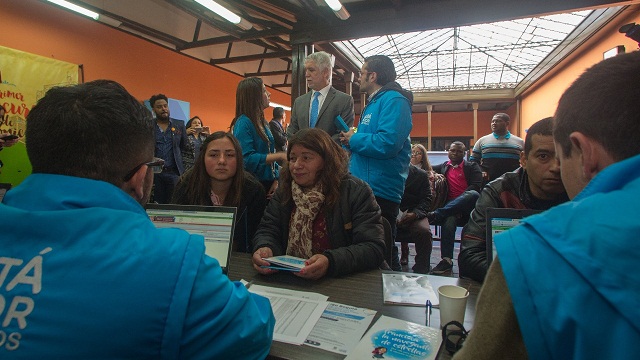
x=314, y=110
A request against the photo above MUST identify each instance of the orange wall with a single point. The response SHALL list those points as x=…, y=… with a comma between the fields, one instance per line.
x=451, y=124
x=140, y=66
x=541, y=101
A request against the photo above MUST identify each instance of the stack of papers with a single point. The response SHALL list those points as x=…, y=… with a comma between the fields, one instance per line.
x=404, y=289
x=285, y=262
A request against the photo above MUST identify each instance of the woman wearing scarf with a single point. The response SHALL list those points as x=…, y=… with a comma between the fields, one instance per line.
x=320, y=213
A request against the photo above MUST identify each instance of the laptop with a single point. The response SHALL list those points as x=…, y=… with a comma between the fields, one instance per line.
x=215, y=223
x=499, y=220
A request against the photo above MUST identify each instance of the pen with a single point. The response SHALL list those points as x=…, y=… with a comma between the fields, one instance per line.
x=428, y=311
x=249, y=284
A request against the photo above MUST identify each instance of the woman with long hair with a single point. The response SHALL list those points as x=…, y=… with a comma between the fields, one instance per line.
x=320, y=213
x=252, y=131
x=196, y=134
x=218, y=178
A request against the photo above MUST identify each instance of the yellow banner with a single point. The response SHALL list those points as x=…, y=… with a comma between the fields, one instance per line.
x=24, y=79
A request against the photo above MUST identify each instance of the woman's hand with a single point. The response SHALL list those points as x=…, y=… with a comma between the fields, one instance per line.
x=273, y=189
x=263, y=252
x=191, y=130
x=315, y=268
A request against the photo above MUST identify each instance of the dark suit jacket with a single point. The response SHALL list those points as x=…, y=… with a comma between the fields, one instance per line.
x=179, y=141
x=336, y=103
x=279, y=136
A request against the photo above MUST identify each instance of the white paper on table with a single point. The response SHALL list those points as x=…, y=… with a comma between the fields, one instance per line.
x=340, y=328
x=408, y=289
x=296, y=312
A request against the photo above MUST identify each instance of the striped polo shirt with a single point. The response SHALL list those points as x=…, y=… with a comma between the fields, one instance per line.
x=497, y=154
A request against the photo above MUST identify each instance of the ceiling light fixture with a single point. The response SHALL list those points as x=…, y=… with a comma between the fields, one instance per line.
x=76, y=8
x=225, y=13
x=338, y=9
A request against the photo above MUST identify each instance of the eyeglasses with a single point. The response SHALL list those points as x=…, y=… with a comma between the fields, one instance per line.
x=156, y=166
x=416, y=153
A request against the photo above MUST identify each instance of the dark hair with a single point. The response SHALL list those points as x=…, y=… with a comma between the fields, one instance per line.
x=542, y=127
x=191, y=120
x=95, y=130
x=336, y=164
x=278, y=112
x=458, y=143
x=383, y=67
x=198, y=182
x=503, y=116
x=157, y=97
x=603, y=105
x=426, y=165
x=249, y=103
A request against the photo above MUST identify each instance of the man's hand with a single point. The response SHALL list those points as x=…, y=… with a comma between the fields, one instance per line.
x=345, y=137
x=407, y=219
x=263, y=252
x=316, y=267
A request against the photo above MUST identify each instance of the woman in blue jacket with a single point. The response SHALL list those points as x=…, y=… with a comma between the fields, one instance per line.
x=252, y=131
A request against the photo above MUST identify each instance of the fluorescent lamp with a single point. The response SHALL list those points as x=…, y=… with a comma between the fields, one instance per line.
x=338, y=9
x=275, y=105
x=220, y=10
x=76, y=8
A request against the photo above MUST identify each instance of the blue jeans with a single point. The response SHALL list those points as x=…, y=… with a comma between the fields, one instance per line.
x=453, y=214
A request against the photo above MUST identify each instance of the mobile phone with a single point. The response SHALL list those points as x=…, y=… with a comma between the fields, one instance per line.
x=7, y=137
x=340, y=124
x=198, y=130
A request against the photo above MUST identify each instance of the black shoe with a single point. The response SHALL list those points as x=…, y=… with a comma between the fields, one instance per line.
x=443, y=267
x=421, y=269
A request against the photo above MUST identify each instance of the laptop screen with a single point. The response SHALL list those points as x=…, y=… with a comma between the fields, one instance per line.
x=499, y=220
x=215, y=223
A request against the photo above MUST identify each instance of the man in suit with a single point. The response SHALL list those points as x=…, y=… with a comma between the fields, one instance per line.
x=276, y=126
x=171, y=140
x=311, y=110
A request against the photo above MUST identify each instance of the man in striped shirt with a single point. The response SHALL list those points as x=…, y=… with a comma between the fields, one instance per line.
x=498, y=152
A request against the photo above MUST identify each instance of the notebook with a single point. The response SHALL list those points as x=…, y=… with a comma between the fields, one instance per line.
x=499, y=220
x=215, y=223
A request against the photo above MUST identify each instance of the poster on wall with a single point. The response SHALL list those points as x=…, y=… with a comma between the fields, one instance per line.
x=24, y=79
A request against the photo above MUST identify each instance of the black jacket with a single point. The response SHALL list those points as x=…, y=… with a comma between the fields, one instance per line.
x=354, y=226
x=510, y=190
x=472, y=173
x=417, y=193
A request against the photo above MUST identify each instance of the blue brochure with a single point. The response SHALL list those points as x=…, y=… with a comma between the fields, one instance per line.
x=340, y=124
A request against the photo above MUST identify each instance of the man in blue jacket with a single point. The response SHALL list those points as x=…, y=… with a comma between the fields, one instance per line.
x=565, y=284
x=84, y=274
x=381, y=148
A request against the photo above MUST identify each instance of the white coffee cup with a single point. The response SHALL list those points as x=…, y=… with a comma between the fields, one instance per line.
x=453, y=303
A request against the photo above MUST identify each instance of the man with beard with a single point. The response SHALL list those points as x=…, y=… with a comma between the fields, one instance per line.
x=171, y=140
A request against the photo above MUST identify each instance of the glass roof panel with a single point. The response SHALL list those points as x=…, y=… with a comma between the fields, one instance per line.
x=483, y=56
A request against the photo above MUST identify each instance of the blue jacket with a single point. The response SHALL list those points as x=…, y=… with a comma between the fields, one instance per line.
x=381, y=148
x=572, y=271
x=255, y=150
x=92, y=278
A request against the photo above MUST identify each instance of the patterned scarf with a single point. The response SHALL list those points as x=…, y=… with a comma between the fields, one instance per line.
x=308, y=204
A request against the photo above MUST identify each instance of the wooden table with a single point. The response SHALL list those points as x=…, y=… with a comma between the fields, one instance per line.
x=362, y=290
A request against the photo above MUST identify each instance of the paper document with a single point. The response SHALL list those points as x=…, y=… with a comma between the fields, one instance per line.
x=407, y=289
x=340, y=328
x=296, y=312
